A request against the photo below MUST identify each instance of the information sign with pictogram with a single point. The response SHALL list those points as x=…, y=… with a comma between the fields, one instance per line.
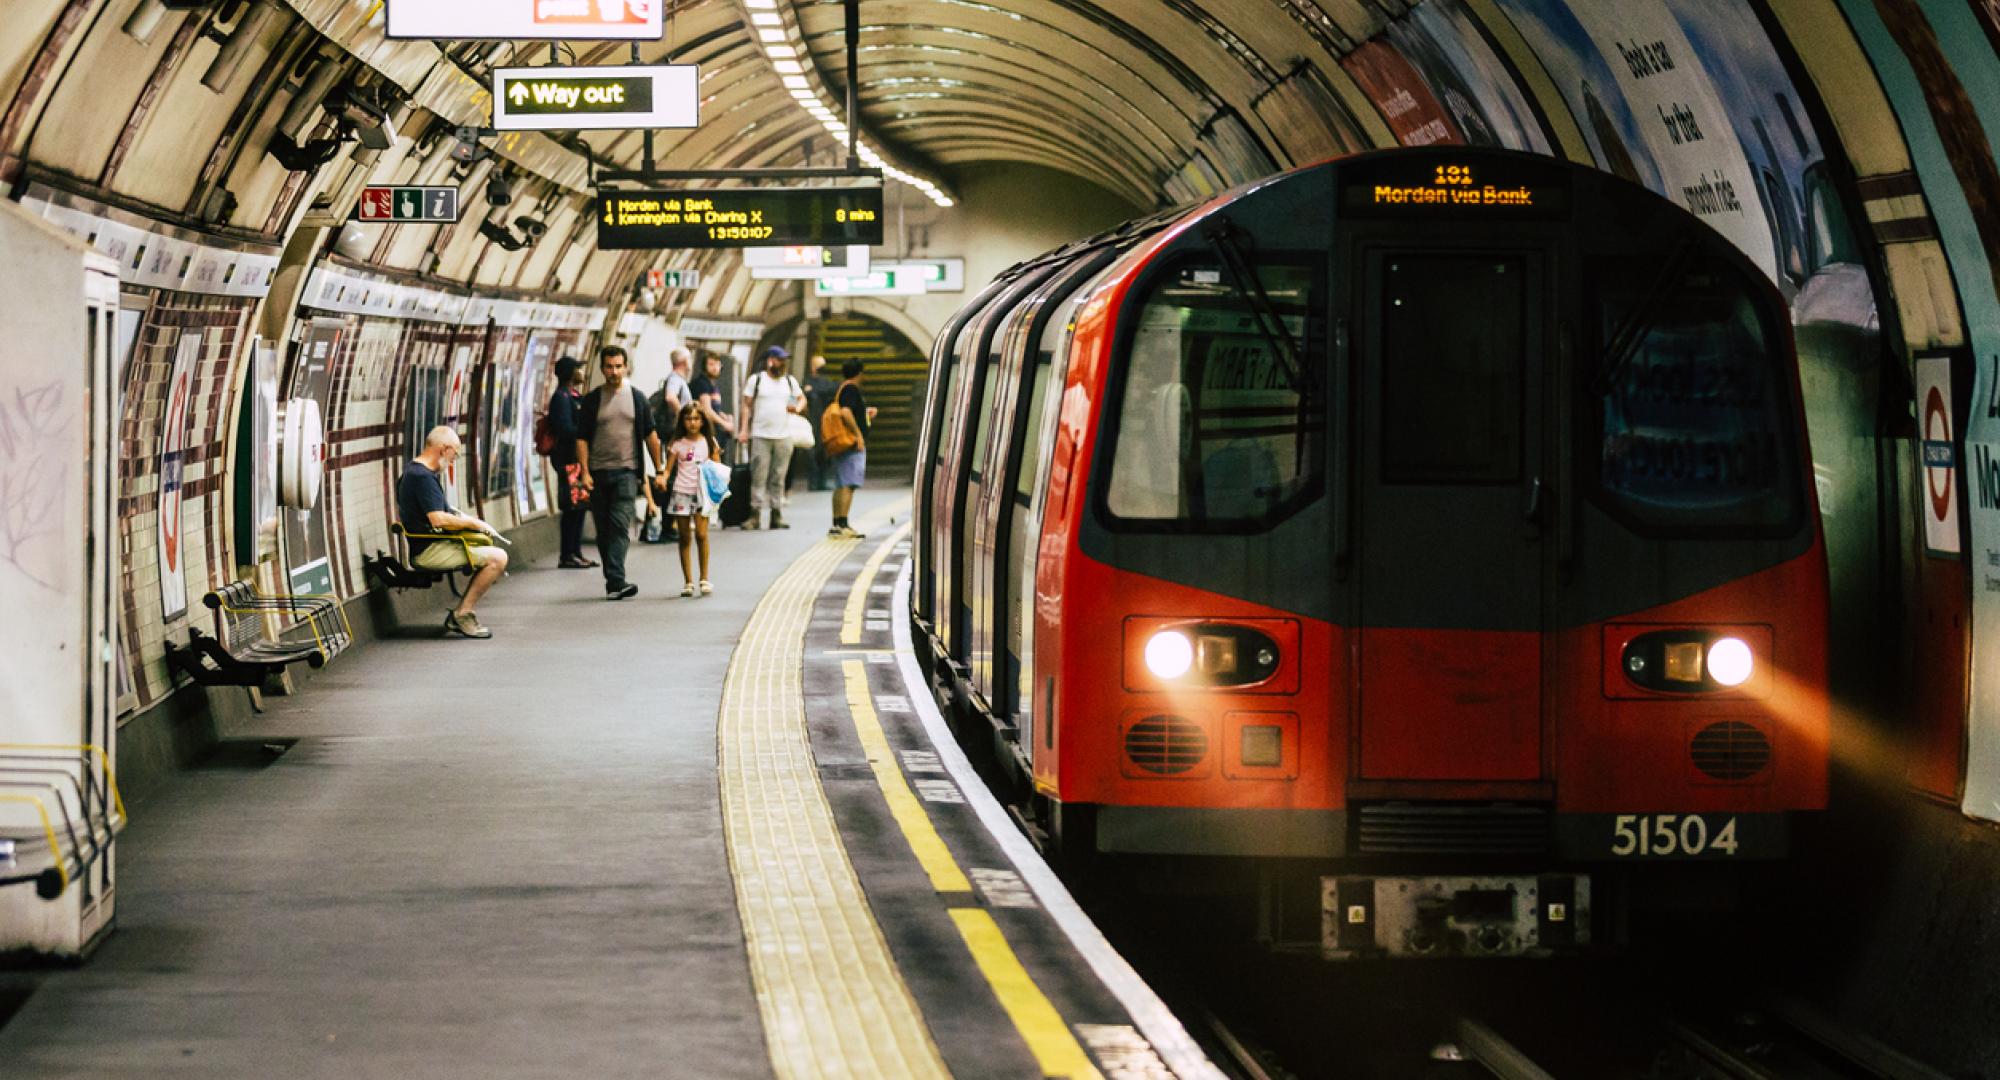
x=435, y=204
x=526, y=20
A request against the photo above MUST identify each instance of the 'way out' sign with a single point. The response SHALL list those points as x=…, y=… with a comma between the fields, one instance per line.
x=594, y=98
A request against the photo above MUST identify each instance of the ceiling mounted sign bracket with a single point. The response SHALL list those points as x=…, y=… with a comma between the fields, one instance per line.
x=853, y=75
x=649, y=175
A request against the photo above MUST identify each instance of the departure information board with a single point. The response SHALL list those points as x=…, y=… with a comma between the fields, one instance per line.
x=1432, y=186
x=629, y=220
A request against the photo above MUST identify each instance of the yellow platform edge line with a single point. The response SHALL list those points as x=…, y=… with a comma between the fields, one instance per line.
x=922, y=835
x=857, y=598
x=1041, y=1026
x=832, y=1001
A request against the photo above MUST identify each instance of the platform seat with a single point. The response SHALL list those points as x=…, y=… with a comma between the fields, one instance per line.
x=59, y=809
x=397, y=572
x=261, y=636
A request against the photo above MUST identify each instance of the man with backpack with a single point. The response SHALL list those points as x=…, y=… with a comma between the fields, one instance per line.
x=770, y=399
x=615, y=436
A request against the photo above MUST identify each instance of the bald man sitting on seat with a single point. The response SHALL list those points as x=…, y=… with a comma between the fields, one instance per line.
x=421, y=504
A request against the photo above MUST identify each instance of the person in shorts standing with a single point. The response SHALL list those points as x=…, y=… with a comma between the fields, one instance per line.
x=770, y=399
x=614, y=437
x=850, y=467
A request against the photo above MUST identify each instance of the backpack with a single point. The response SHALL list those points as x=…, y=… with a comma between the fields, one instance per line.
x=545, y=436
x=834, y=434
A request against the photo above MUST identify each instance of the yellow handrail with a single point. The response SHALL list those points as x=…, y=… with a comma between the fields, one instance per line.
x=48, y=830
x=103, y=761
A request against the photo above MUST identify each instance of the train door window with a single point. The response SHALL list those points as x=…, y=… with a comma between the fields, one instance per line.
x=1695, y=425
x=1005, y=340
x=1215, y=426
x=1453, y=354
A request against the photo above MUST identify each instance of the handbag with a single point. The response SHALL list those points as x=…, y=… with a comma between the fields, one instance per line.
x=799, y=430
x=715, y=481
x=573, y=483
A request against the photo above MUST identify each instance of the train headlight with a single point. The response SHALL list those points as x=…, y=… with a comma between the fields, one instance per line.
x=1169, y=654
x=1729, y=661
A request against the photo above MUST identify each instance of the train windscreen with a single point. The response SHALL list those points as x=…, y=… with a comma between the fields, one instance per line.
x=1222, y=418
x=1696, y=429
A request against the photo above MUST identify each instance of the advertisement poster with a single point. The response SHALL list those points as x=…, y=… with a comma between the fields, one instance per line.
x=454, y=414
x=573, y=20
x=1938, y=449
x=308, y=560
x=1467, y=77
x=1399, y=90
x=499, y=428
x=173, y=462
x=264, y=481
x=531, y=496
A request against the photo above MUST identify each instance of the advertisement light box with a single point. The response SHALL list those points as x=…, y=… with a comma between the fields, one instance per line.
x=526, y=20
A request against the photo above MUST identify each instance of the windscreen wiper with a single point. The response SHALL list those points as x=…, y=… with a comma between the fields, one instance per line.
x=1221, y=236
x=1624, y=341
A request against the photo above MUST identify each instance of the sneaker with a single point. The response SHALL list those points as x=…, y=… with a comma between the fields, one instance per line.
x=687, y=589
x=778, y=521
x=753, y=523
x=848, y=532
x=466, y=624
x=623, y=592
x=706, y=588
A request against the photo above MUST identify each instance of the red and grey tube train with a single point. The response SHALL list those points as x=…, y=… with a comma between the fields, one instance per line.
x=1439, y=521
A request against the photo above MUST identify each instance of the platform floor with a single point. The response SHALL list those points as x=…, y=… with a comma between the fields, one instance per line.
x=509, y=858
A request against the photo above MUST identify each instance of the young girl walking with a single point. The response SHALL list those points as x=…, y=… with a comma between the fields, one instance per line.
x=692, y=446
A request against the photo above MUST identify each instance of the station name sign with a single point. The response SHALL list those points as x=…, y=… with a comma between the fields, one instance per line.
x=526, y=20
x=632, y=220
x=1485, y=190
x=595, y=98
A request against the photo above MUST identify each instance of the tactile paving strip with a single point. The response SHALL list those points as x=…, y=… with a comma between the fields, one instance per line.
x=833, y=1002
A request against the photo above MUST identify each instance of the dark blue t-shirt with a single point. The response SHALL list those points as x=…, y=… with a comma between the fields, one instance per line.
x=419, y=493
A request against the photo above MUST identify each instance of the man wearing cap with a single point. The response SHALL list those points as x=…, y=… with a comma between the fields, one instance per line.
x=769, y=400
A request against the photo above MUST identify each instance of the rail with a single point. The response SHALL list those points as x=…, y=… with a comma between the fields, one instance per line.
x=70, y=794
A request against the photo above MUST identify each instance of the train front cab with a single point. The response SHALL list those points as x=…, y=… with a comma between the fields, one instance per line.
x=1464, y=552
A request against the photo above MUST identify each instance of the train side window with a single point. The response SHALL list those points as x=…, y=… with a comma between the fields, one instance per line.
x=1696, y=430
x=1213, y=428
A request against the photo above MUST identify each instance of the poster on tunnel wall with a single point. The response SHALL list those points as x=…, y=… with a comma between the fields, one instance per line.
x=1439, y=39
x=530, y=494
x=1648, y=101
x=1942, y=76
x=1413, y=113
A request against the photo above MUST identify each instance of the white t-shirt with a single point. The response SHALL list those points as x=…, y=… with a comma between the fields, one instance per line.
x=772, y=398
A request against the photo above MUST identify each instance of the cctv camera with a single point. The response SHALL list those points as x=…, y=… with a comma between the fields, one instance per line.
x=532, y=227
x=499, y=191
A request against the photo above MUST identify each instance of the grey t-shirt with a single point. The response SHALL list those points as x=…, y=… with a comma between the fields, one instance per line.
x=613, y=445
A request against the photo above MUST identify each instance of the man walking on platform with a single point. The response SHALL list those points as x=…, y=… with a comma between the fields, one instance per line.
x=769, y=402
x=615, y=432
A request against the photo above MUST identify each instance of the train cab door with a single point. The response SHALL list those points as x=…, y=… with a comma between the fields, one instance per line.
x=1449, y=483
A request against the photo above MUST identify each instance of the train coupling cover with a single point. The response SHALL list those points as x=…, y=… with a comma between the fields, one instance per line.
x=1409, y=917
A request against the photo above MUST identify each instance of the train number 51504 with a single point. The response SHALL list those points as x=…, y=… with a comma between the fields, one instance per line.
x=1640, y=835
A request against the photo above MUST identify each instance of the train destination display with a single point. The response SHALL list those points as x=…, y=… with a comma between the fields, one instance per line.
x=630, y=220
x=595, y=98
x=1429, y=189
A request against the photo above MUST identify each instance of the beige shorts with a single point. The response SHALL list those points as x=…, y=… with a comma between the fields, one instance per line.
x=452, y=555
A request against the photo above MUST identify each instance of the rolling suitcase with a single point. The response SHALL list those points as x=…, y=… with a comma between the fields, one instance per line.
x=735, y=509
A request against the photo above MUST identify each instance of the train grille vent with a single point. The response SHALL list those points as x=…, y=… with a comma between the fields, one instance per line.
x=1168, y=745
x=1730, y=750
x=1402, y=828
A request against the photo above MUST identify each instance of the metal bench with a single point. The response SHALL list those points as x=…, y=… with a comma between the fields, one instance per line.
x=261, y=636
x=59, y=809
x=397, y=572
